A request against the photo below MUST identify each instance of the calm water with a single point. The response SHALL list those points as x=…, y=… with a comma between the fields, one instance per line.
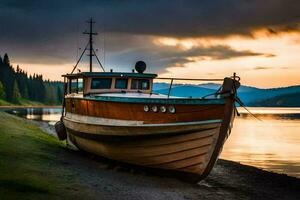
x=272, y=144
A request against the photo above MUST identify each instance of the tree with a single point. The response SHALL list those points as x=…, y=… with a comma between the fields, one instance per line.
x=59, y=94
x=50, y=97
x=25, y=93
x=6, y=60
x=7, y=76
x=2, y=91
x=16, y=84
x=16, y=93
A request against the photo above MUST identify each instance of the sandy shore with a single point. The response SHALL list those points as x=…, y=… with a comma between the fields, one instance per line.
x=228, y=180
x=53, y=172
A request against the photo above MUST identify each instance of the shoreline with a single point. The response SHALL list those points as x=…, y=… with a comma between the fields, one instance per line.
x=43, y=168
x=31, y=106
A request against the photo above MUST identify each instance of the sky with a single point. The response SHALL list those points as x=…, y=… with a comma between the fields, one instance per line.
x=259, y=40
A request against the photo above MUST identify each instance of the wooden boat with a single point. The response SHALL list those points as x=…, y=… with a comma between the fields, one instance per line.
x=116, y=115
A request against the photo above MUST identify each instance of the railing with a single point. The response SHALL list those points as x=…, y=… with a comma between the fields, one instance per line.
x=185, y=79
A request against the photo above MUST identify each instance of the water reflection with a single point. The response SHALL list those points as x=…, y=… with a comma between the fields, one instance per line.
x=50, y=115
x=272, y=144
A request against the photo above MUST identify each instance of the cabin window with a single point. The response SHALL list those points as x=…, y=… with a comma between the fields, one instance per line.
x=101, y=83
x=121, y=83
x=140, y=84
x=80, y=85
x=75, y=85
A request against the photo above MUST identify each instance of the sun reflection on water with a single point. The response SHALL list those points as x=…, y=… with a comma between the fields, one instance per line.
x=272, y=144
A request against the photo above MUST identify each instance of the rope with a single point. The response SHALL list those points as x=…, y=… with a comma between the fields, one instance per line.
x=79, y=58
x=238, y=100
x=98, y=60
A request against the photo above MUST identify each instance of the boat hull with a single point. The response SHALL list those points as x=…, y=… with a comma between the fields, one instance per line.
x=187, y=150
x=183, y=147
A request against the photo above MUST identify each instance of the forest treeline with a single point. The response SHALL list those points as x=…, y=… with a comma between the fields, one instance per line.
x=16, y=84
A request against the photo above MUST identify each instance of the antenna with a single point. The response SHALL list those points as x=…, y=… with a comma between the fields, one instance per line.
x=91, y=49
x=104, y=48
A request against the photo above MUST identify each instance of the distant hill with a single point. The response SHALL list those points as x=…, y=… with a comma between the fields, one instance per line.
x=160, y=86
x=187, y=91
x=249, y=95
x=256, y=94
x=287, y=100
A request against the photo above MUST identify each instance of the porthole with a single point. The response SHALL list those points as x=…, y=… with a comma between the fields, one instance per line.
x=172, y=109
x=146, y=108
x=163, y=109
x=154, y=108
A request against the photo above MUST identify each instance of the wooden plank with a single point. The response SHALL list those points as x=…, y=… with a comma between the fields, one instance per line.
x=197, y=168
x=179, y=164
x=136, y=130
x=114, y=151
x=130, y=111
x=156, y=160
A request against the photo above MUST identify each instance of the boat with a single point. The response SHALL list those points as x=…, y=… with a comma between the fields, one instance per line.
x=117, y=115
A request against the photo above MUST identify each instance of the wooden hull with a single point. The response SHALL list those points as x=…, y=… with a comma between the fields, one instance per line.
x=185, y=143
x=185, y=112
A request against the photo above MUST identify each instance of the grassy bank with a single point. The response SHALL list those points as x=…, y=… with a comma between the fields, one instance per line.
x=31, y=162
x=35, y=165
x=22, y=102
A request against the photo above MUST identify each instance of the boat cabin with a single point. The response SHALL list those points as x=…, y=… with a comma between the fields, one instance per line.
x=89, y=83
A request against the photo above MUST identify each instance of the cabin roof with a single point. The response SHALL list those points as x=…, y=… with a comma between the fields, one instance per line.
x=110, y=74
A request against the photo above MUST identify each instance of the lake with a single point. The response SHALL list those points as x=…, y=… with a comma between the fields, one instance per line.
x=271, y=142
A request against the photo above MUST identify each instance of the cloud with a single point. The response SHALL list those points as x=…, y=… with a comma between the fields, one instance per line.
x=177, y=18
x=47, y=31
x=285, y=68
x=261, y=68
x=160, y=57
x=264, y=68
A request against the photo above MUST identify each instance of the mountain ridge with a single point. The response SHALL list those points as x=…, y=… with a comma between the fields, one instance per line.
x=248, y=94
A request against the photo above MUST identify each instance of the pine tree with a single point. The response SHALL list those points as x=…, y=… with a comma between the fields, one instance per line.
x=2, y=91
x=25, y=93
x=16, y=93
x=7, y=76
x=59, y=94
x=6, y=60
x=50, y=94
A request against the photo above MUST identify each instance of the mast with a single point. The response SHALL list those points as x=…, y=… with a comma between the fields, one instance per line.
x=89, y=47
x=91, y=33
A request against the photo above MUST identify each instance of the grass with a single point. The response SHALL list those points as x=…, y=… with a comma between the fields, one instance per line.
x=22, y=102
x=5, y=103
x=32, y=163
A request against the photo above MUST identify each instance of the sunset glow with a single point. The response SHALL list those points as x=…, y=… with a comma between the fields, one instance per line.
x=279, y=66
